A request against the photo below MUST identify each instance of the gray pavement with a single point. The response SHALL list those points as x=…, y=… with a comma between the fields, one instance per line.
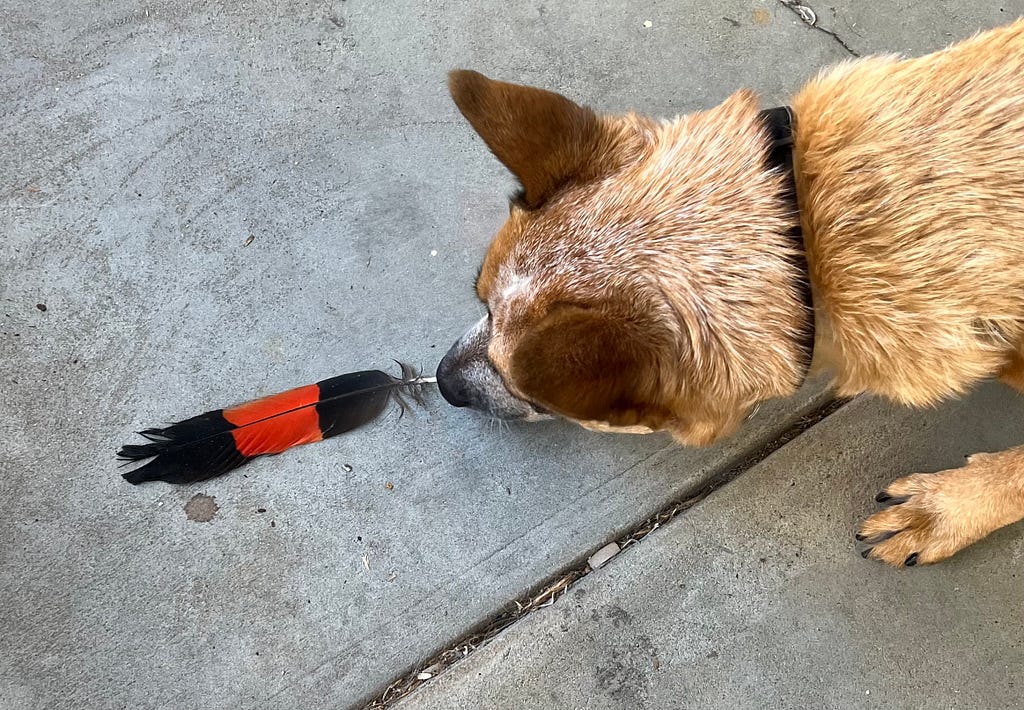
x=756, y=599
x=142, y=146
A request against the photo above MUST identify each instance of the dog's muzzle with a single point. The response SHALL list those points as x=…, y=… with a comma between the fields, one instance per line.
x=453, y=388
x=466, y=378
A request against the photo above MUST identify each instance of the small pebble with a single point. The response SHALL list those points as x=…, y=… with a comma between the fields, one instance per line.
x=348, y=469
x=41, y=307
x=424, y=676
x=603, y=555
x=390, y=486
x=433, y=252
x=648, y=24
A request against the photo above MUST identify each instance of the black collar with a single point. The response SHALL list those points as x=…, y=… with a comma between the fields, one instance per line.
x=779, y=122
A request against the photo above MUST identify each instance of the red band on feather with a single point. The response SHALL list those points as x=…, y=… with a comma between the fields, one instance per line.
x=301, y=426
x=274, y=404
x=275, y=435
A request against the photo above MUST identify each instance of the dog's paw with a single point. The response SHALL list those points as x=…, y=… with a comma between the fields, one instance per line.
x=928, y=517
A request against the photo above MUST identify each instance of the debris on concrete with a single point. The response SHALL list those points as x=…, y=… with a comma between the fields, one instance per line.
x=201, y=508
x=599, y=558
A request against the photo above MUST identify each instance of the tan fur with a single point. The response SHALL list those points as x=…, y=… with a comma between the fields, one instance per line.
x=1013, y=373
x=911, y=187
x=939, y=514
x=945, y=512
x=644, y=280
x=656, y=266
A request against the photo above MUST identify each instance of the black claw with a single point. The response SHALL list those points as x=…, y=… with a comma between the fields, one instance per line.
x=858, y=537
x=911, y=561
x=865, y=552
x=884, y=497
x=882, y=537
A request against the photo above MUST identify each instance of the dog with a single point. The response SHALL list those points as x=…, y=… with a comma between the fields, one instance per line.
x=670, y=275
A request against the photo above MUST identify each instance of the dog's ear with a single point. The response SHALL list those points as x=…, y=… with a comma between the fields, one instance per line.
x=590, y=366
x=542, y=137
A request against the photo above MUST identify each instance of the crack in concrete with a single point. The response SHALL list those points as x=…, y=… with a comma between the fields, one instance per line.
x=810, y=18
x=547, y=592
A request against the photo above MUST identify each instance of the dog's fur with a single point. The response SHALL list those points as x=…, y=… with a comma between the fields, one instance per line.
x=645, y=277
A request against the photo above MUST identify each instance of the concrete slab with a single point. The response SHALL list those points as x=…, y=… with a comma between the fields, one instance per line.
x=143, y=145
x=756, y=597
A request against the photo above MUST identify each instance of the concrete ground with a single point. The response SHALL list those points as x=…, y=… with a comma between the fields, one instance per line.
x=755, y=598
x=204, y=202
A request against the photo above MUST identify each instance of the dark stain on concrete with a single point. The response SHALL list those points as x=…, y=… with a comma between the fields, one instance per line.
x=201, y=508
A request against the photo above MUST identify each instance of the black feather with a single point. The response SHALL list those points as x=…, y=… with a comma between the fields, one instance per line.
x=162, y=440
x=203, y=447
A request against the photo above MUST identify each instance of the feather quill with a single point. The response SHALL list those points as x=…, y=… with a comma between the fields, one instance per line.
x=216, y=442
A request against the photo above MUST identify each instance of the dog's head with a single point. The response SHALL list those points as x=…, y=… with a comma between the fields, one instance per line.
x=644, y=278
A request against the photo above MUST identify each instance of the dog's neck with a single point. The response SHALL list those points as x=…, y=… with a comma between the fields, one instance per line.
x=779, y=122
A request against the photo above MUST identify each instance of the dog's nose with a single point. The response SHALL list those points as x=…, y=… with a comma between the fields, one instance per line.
x=452, y=387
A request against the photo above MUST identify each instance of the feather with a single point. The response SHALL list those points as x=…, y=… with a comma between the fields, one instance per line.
x=216, y=442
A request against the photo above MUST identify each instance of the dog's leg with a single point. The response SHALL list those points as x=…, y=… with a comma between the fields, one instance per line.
x=931, y=516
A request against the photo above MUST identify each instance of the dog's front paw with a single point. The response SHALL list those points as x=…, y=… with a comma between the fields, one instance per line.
x=928, y=517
